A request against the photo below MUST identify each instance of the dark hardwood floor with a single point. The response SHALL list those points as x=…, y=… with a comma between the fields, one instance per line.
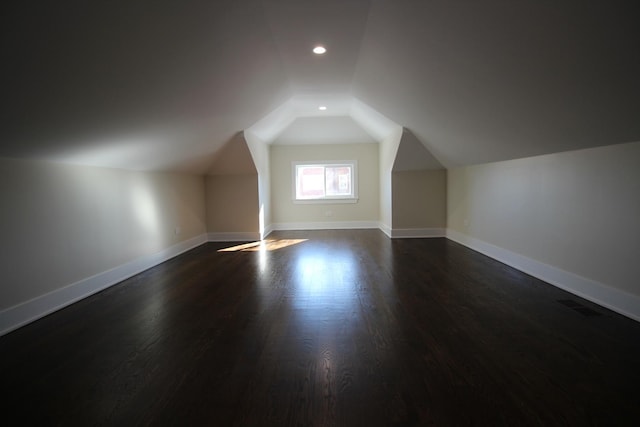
x=326, y=328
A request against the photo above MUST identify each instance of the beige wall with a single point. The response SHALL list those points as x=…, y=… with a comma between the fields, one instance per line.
x=232, y=203
x=419, y=199
x=285, y=211
x=232, y=190
x=60, y=224
x=578, y=211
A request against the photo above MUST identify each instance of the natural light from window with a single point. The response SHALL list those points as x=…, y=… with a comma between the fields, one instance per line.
x=263, y=245
x=335, y=182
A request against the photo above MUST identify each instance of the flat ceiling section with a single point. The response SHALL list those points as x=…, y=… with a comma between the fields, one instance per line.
x=298, y=26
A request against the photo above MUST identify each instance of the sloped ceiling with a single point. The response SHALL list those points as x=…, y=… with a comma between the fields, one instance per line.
x=234, y=158
x=164, y=85
x=329, y=130
x=412, y=155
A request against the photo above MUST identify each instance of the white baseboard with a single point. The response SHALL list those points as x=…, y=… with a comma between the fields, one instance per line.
x=19, y=315
x=267, y=230
x=330, y=225
x=393, y=233
x=417, y=233
x=599, y=293
x=385, y=229
x=243, y=236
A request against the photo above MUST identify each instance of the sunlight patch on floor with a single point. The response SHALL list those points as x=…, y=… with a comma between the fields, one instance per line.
x=263, y=245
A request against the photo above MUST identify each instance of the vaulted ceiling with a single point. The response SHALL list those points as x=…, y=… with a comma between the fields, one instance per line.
x=164, y=85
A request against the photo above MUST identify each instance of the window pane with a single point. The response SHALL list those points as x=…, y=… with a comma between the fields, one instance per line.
x=333, y=181
x=310, y=180
x=338, y=180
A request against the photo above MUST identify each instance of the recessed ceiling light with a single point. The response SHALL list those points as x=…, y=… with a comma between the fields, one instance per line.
x=322, y=108
x=319, y=50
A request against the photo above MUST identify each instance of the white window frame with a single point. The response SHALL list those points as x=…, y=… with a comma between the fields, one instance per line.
x=352, y=198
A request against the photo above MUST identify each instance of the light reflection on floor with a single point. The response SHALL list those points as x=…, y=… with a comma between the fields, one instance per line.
x=324, y=307
x=319, y=291
x=324, y=287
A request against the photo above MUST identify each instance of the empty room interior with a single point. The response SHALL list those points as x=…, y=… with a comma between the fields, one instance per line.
x=305, y=212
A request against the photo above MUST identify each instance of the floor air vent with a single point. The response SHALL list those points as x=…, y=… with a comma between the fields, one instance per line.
x=585, y=311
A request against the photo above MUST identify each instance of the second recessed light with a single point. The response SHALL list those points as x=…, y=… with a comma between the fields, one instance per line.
x=319, y=50
x=322, y=108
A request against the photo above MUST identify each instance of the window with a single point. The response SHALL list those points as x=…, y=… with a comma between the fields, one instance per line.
x=325, y=181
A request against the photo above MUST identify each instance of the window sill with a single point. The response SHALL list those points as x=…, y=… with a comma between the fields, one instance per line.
x=324, y=201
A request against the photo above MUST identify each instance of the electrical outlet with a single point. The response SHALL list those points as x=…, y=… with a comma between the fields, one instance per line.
x=328, y=213
x=177, y=231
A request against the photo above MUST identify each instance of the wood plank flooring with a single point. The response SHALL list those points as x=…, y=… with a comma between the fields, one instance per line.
x=326, y=328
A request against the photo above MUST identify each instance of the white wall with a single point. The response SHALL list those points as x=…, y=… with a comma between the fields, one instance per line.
x=575, y=212
x=260, y=154
x=64, y=226
x=286, y=213
x=388, y=149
